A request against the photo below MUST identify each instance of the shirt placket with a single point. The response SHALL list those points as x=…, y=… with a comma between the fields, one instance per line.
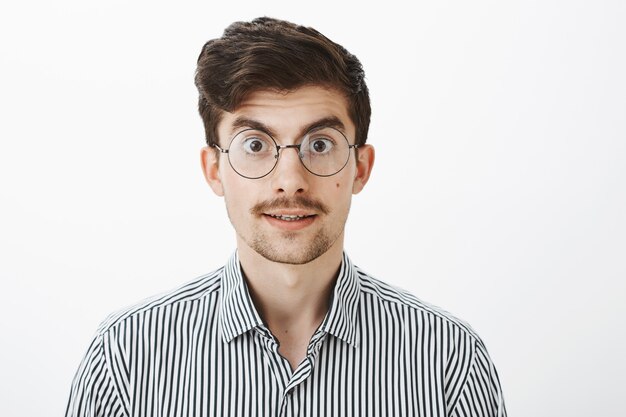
x=280, y=367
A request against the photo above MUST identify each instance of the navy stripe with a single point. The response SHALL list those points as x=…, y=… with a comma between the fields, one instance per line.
x=203, y=350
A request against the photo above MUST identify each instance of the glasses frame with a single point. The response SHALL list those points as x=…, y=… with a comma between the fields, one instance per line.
x=279, y=147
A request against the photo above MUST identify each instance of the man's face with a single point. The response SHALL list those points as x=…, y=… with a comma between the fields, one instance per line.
x=291, y=215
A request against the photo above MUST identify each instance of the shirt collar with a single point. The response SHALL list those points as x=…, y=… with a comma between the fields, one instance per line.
x=239, y=315
x=342, y=316
x=237, y=312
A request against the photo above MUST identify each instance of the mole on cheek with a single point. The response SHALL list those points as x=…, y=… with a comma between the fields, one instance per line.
x=337, y=185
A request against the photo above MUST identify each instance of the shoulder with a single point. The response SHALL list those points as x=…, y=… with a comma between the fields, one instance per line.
x=384, y=294
x=201, y=288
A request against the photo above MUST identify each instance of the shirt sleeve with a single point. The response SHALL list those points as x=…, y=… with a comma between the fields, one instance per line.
x=93, y=392
x=481, y=394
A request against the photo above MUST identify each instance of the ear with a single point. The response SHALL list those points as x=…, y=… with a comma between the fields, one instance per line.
x=364, y=164
x=210, y=168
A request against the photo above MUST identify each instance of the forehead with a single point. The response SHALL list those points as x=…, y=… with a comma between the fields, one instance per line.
x=287, y=113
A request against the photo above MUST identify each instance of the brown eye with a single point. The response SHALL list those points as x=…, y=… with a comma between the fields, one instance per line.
x=320, y=146
x=254, y=145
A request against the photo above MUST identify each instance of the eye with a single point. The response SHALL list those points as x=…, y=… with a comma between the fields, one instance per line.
x=254, y=145
x=320, y=146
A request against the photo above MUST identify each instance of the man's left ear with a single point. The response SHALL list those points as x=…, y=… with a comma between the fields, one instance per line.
x=364, y=164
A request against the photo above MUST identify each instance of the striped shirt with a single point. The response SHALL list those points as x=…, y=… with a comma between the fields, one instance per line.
x=203, y=350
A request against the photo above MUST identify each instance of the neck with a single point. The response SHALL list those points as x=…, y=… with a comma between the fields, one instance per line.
x=291, y=296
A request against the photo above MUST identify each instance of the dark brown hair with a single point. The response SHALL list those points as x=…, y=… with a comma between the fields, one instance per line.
x=271, y=54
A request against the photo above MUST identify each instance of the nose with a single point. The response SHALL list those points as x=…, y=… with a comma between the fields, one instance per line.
x=289, y=175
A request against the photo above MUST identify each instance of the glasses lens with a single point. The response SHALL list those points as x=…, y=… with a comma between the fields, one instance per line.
x=325, y=151
x=252, y=153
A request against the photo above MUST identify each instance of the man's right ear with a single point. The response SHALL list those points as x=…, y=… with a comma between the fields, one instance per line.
x=210, y=167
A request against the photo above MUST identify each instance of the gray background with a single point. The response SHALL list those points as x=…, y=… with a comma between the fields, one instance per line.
x=500, y=130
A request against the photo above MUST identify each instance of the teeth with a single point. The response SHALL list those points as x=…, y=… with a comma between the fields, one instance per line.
x=288, y=218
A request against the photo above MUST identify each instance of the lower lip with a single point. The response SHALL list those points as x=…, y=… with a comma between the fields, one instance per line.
x=290, y=225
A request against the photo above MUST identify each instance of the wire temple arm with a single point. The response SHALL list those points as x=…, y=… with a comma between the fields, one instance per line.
x=215, y=145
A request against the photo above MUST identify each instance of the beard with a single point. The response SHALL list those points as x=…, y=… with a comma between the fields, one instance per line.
x=292, y=255
x=290, y=247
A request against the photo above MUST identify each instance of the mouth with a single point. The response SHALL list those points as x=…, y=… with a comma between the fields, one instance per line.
x=289, y=217
x=290, y=222
x=290, y=214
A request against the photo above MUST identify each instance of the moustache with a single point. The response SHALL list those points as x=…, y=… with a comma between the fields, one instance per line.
x=299, y=202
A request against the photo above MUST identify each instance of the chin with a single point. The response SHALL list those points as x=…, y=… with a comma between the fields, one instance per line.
x=293, y=255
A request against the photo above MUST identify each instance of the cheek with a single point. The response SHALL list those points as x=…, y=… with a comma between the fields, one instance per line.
x=239, y=193
x=341, y=193
x=344, y=182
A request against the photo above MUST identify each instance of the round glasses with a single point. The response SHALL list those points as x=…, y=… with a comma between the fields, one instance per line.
x=253, y=153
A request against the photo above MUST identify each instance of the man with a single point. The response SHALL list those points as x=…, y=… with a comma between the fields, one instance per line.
x=289, y=326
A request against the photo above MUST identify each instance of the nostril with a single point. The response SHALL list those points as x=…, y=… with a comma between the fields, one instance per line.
x=282, y=190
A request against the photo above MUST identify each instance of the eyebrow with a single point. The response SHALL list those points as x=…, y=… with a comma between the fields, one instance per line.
x=329, y=121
